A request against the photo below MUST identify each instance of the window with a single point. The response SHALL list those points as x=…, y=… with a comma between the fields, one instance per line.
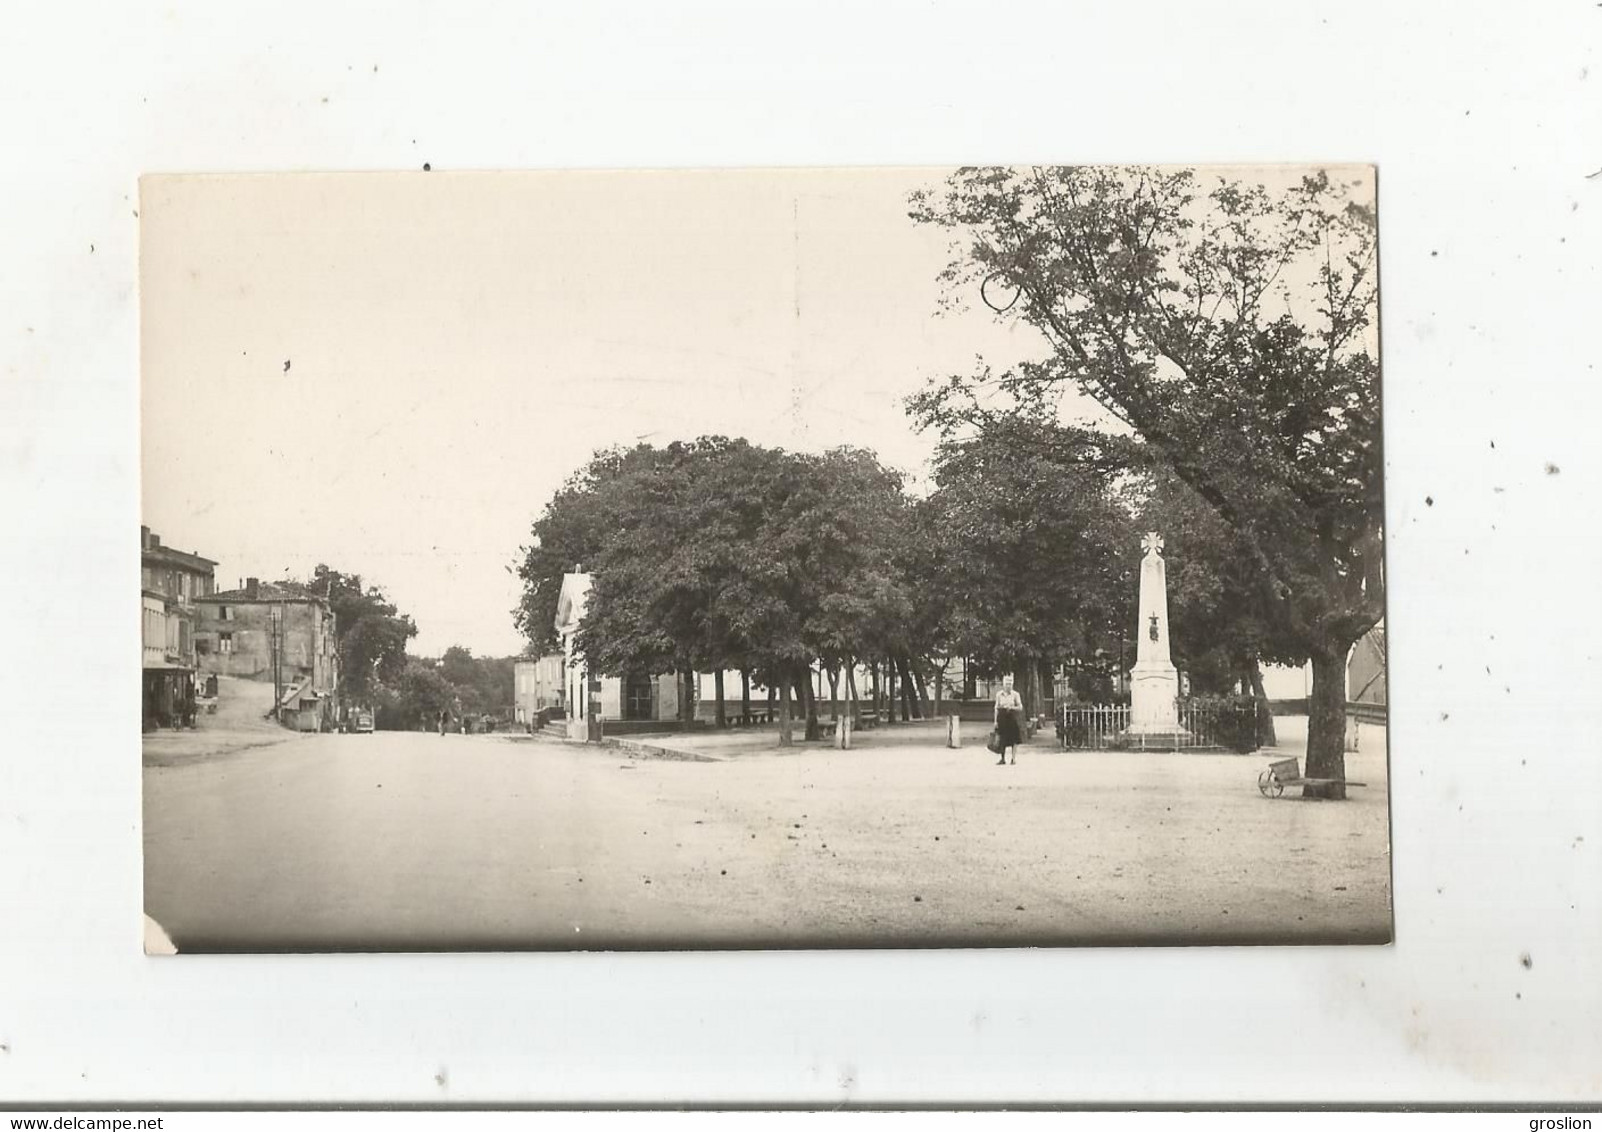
x=225, y=642
x=224, y=613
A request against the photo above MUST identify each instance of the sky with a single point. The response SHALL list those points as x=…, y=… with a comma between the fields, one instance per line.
x=391, y=373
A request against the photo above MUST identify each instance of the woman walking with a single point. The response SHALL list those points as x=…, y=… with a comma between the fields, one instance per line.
x=1009, y=721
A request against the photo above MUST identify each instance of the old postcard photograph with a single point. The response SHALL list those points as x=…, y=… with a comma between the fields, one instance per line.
x=809, y=558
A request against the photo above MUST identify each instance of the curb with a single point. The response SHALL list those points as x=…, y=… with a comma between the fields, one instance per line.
x=634, y=747
x=631, y=747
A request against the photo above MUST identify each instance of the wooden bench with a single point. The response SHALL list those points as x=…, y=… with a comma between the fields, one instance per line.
x=1288, y=772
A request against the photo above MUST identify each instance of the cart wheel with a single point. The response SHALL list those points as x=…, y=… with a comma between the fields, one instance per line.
x=1269, y=786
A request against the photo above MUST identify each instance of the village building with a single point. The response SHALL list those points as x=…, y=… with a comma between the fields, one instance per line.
x=538, y=684
x=1365, y=674
x=632, y=699
x=282, y=632
x=170, y=582
x=1365, y=669
x=1289, y=688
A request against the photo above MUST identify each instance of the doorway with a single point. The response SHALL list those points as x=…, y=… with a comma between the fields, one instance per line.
x=637, y=691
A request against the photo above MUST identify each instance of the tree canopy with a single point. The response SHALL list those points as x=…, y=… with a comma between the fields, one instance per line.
x=1225, y=333
x=1027, y=557
x=717, y=553
x=370, y=631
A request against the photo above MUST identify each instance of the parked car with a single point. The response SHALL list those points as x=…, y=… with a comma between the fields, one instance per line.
x=361, y=721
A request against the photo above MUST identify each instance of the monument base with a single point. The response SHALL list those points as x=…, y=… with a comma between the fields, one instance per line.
x=1154, y=709
x=1155, y=737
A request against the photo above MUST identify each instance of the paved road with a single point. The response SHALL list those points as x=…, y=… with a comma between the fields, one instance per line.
x=412, y=841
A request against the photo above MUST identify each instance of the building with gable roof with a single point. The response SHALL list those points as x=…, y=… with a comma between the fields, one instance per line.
x=282, y=632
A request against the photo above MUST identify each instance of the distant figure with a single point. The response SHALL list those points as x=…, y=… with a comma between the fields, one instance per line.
x=443, y=720
x=1009, y=717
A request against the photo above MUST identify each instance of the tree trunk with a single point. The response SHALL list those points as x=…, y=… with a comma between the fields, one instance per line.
x=851, y=691
x=745, y=697
x=721, y=718
x=890, y=691
x=834, y=693
x=1326, y=723
x=687, y=704
x=785, y=737
x=909, y=689
x=940, y=684
x=1265, y=717
x=919, y=686
x=873, y=673
x=798, y=701
x=809, y=703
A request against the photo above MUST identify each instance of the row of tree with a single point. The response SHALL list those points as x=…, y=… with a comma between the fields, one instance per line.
x=718, y=554
x=459, y=684
x=1226, y=331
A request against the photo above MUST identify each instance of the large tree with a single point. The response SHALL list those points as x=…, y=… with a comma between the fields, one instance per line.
x=571, y=531
x=838, y=537
x=1225, y=328
x=667, y=534
x=717, y=553
x=1022, y=561
x=414, y=696
x=371, y=633
x=651, y=596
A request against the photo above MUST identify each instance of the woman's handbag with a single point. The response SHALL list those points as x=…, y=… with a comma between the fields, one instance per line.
x=994, y=746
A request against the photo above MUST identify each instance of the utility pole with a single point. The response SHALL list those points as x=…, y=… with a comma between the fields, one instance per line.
x=275, y=617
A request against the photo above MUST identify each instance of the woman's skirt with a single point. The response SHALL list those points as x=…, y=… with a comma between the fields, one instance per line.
x=1007, y=726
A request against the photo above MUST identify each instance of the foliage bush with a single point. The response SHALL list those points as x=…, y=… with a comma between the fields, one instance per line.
x=1234, y=719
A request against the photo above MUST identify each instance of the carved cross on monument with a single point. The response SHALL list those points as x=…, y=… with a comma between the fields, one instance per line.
x=1154, y=682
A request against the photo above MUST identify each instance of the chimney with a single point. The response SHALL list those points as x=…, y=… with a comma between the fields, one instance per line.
x=252, y=588
x=578, y=567
x=155, y=541
x=144, y=537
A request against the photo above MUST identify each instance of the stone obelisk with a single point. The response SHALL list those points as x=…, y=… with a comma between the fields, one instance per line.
x=1154, y=681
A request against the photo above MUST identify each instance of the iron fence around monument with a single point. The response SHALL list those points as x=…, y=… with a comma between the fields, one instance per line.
x=1216, y=725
